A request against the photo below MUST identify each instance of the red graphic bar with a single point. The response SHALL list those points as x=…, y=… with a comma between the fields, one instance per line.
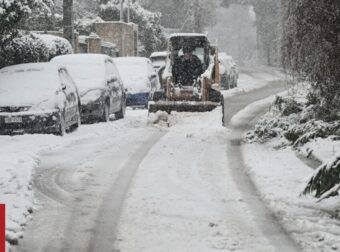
x=2, y=227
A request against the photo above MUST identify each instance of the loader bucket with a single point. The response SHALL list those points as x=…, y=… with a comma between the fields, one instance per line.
x=181, y=106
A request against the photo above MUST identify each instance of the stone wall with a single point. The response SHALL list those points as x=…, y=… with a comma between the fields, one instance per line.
x=124, y=35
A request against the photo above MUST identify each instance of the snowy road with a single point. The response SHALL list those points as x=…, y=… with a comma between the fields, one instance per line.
x=134, y=187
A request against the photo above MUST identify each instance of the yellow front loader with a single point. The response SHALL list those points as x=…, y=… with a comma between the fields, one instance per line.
x=191, y=79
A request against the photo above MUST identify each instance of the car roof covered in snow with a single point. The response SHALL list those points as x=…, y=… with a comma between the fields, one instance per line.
x=30, y=67
x=26, y=84
x=134, y=72
x=88, y=70
x=188, y=35
x=80, y=58
x=158, y=54
x=223, y=55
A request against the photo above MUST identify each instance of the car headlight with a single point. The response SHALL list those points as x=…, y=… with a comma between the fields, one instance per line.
x=44, y=105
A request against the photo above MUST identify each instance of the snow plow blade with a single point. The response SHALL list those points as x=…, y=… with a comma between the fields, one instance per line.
x=178, y=106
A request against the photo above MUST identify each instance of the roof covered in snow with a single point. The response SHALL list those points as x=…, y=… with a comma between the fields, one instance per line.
x=158, y=54
x=134, y=72
x=80, y=58
x=27, y=84
x=188, y=35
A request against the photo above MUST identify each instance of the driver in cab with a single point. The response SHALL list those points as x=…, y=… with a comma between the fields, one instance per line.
x=188, y=67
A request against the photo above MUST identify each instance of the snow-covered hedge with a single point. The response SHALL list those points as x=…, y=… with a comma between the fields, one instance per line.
x=296, y=122
x=28, y=48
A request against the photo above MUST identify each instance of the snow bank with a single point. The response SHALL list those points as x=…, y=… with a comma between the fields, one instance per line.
x=280, y=178
x=17, y=162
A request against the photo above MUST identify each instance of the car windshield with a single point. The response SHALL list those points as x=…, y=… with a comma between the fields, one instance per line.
x=134, y=74
x=158, y=61
x=26, y=86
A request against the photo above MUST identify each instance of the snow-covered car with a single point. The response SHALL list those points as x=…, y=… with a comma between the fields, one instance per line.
x=139, y=78
x=37, y=98
x=100, y=87
x=158, y=60
x=228, y=71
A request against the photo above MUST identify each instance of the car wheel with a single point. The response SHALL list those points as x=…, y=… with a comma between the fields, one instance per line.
x=121, y=113
x=62, y=125
x=106, y=113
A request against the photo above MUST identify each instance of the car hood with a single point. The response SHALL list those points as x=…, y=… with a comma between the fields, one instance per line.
x=37, y=103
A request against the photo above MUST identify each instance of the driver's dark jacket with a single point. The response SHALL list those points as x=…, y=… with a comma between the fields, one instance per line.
x=185, y=71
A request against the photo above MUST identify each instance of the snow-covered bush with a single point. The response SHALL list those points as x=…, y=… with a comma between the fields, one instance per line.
x=85, y=26
x=149, y=28
x=28, y=48
x=326, y=180
x=295, y=122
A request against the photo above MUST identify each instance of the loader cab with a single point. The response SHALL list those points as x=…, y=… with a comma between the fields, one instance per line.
x=200, y=49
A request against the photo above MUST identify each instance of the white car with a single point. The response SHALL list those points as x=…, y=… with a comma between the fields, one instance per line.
x=158, y=59
x=101, y=90
x=139, y=78
x=37, y=98
x=228, y=71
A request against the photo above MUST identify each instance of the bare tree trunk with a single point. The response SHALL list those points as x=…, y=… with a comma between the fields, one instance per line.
x=68, y=21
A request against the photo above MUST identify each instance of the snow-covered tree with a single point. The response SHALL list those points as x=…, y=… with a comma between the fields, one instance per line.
x=268, y=25
x=11, y=14
x=185, y=15
x=42, y=17
x=311, y=49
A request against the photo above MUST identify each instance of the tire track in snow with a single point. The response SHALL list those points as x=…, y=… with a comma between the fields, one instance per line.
x=267, y=222
x=104, y=232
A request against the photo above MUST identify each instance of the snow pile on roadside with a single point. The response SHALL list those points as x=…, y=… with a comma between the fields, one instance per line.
x=160, y=117
x=280, y=178
x=17, y=160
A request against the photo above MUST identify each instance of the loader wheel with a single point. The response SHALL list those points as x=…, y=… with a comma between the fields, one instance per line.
x=214, y=96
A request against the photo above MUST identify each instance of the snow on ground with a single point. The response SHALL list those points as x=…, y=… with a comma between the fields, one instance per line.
x=323, y=149
x=21, y=154
x=280, y=178
x=250, y=79
x=183, y=198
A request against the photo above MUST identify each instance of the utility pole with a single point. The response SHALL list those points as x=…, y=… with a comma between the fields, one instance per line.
x=121, y=10
x=128, y=11
x=68, y=21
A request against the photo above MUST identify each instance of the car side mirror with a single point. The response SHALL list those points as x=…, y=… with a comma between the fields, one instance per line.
x=63, y=86
x=112, y=78
x=152, y=75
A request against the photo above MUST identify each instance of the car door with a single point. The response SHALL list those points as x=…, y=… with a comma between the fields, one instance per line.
x=69, y=89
